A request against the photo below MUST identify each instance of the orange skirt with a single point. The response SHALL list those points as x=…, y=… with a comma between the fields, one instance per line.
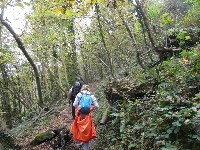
x=83, y=130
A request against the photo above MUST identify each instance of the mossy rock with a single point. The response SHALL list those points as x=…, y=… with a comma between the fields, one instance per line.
x=58, y=137
x=42, y=137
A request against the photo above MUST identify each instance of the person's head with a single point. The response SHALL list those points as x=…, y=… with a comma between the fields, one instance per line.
x=78, y=79
x=77, y=83
x=85, y=87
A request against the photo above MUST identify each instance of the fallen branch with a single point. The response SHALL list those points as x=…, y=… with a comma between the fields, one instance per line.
x=42, y=114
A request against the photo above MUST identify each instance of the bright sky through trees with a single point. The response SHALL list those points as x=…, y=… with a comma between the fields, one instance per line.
x=15, y=15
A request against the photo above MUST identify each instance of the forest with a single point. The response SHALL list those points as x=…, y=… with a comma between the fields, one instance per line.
x=141, y=59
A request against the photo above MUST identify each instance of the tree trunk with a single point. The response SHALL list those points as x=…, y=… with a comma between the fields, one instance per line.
x=133, y=40
x=5, y=98
x=5, y=101
x=111, y=71
x=73, y=54
x=146, y=22
x=21, y=46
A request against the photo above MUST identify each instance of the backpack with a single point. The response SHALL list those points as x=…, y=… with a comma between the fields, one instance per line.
x=76, y=89
x=85, y=103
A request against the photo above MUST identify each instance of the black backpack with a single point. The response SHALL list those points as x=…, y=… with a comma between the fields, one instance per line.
x=76, y=89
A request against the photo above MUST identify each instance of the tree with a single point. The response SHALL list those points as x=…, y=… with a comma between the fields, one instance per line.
x=21, y=46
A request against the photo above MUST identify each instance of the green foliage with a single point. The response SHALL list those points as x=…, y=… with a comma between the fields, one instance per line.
x=154, y=9
x=192, y=18
x=53, y=41
x=5, y=55
x=20, y=4
x=168, y=120
x=182, y=36
x=166, y=19
x=42, y=137
x=180, y=77
x=195, y=2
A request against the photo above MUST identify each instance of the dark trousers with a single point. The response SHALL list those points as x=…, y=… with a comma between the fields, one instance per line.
x=73, y=108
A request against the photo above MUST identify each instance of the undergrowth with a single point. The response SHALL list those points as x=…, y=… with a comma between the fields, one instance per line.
x=39, y=121
x=169, y=120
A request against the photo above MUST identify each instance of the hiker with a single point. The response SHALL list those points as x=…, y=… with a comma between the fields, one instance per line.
x=74, y=90
x=83, y=129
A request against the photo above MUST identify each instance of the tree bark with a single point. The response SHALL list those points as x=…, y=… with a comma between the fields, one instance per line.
x=5, y=98
x=21, y=46
x=73, y=54
x=146, y=23
x=103, y=41
x=2, y=14
x=133, y=40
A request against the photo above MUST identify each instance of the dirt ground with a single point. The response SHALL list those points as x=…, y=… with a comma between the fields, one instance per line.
x=63, y=118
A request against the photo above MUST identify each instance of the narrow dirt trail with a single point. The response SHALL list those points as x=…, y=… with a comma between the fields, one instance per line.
x=62, y=118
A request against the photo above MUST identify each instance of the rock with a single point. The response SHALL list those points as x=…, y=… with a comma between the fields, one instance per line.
x=42, y=137
x=124, y=89
x=58, y=137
